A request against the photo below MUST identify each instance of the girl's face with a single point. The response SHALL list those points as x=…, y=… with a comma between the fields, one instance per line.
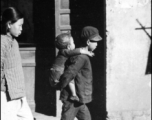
x=15, y=29
x=71, y=45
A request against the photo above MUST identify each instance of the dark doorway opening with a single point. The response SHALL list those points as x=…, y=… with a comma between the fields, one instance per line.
x=92, y=13
x=82, y=13
x=44, y=36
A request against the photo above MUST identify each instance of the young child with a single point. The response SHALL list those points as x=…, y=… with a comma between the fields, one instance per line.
x=65, y=43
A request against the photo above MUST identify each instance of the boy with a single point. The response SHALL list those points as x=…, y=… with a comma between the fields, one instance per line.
x=64, y=42
x=80, y=69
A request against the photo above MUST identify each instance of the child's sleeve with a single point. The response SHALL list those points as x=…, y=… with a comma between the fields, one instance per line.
x=71, y=53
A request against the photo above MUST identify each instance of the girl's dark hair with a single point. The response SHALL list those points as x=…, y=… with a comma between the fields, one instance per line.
x=11, y=15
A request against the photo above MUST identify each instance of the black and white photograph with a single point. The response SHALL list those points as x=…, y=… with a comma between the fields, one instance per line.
x=75, y=59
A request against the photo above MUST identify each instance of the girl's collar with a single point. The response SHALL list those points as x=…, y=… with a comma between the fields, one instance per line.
x=10, y=36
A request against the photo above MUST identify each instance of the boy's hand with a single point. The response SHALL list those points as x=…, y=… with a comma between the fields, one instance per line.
x=85, y=51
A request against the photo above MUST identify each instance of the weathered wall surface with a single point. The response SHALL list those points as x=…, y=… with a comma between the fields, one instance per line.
x=128, y=87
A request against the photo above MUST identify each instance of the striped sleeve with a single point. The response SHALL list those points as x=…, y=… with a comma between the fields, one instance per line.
x=4, y=49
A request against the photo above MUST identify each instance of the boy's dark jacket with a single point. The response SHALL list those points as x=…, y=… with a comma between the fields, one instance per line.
x=80, y=70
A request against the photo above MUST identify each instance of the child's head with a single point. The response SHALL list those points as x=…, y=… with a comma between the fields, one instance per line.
x=90, y=37
x=12, y=21
x=65, y=41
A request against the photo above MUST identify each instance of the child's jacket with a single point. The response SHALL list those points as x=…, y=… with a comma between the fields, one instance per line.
x=58, y=66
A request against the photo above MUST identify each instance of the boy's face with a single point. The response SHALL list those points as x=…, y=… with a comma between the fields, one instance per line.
x=92, y=45
x=71, y=45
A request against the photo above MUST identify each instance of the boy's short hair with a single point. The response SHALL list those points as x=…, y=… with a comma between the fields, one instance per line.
x=62, y=40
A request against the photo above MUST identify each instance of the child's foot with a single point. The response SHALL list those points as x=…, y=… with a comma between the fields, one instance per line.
x=74, y=98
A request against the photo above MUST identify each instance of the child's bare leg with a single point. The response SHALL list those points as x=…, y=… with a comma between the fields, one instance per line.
x=72, y=88
x=73, y=91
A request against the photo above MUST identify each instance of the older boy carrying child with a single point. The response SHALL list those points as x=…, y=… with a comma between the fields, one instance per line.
x=65, y=43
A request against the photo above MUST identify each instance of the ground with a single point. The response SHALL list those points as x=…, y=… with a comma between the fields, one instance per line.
x=39, y=116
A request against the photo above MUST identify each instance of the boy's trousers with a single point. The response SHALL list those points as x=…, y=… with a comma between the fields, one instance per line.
x=71, y=110
x=15, y=109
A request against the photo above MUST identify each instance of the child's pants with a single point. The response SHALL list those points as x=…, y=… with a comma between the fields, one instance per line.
x=15, y=109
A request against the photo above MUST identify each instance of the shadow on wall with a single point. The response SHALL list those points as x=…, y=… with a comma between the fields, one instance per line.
x=91, y=13
x=148, y=68
x=44, y=36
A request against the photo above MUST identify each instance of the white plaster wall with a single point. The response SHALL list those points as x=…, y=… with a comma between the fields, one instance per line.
x=128, y=87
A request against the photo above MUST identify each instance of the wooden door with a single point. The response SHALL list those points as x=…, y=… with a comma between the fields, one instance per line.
x=62, y=25
x=62, y=16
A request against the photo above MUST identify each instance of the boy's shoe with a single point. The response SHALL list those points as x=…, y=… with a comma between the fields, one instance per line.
x=74, y=98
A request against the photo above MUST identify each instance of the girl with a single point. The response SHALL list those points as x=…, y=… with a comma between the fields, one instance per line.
x=14, y=105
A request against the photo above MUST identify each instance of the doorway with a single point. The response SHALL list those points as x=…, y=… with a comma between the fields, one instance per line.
x=92, y=13
x=70, y=15
x=73, y=16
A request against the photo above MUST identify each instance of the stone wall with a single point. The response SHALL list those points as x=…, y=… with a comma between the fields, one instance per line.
x=29, y=65
x=130, y=115
x=128, y=45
